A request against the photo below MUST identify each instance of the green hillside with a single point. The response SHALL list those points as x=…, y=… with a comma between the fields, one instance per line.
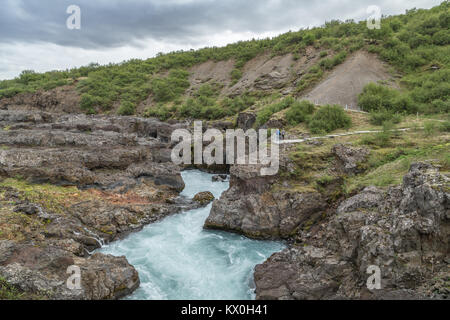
x=415, y=44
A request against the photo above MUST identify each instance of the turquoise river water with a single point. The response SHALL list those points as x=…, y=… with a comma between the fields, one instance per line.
x=178, y=260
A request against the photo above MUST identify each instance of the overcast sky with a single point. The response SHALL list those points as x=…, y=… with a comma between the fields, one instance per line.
x=34, y=35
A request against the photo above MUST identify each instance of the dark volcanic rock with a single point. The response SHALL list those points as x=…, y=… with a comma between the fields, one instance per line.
x=44, y=271
x=246, y=120
x=251, y=208
x=404, y=231
x=204, y=197
x=28, y=208
x=220, y=178
x=125, y=164
x=350, y=158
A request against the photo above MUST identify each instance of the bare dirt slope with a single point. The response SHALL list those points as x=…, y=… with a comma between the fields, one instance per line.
x=347, y=81
x=62, y=99
x=266, y=73
x=211, y=71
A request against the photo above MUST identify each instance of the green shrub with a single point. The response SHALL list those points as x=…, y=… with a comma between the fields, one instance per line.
x=329, y=118
x=339, y=58
x=264, y=115
x=10, y=92
x=236, y=75
x=410, y=43
x=326, y=63
x=309, y=39
x=161, y=112
x=379, y=98
x=237, y=104
x=299, y=112
x=88, y=103
x=444, y=126
x=441, y=38
x=380, y=116
x=430, y=128
x=171, y=87
x=126, y=108
x=381, y=139
x=314, y=69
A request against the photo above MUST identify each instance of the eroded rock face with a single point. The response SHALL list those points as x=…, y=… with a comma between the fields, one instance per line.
x=350, y=158
x=45, y=271
x=404, y=231
x=85, y=151
x=219, y=178
x=246, y=120
x=250, y=206
x=122, y=168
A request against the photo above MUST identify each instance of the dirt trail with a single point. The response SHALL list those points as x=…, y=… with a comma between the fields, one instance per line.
x=331, y=136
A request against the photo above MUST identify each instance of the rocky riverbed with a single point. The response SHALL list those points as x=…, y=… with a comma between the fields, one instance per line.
x=403, y=230
x=71, y=183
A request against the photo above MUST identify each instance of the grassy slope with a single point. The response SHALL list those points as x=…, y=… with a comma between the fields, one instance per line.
x=413, y=43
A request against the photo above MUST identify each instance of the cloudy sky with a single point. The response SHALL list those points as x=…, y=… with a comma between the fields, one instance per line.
x=34, y=35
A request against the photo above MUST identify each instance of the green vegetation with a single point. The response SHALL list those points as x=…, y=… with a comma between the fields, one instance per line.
x=126, y=108
x=52, y=198
x=264, y=115
x=329, y=63
x=236, y=75
x=380, y=98
x=329, y=118
x=381, y=139
x=299, y=112
x=378, y=117
x=204, y=104
x=416, y=44
x=9, y=292
x=171, y=87
x=388, y=166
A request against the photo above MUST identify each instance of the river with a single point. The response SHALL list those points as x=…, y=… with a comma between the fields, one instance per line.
x=178, y=260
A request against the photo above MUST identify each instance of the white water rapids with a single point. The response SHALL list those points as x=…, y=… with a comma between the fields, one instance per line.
x=177, y=259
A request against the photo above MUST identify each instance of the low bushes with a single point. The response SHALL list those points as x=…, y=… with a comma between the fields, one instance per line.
x=329, y=63
x=264, y=115
x=381, y=139
x=378, y=117
x=377, y=98
x=171, y=87
x=126, y=108
x=329, y=118
x=299, y=112
x=236, y=75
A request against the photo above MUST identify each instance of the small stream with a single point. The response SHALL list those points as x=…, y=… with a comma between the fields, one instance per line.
x=178, y=260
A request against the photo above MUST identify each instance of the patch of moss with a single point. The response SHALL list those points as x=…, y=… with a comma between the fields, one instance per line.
x=10, y=292
x=52, y=198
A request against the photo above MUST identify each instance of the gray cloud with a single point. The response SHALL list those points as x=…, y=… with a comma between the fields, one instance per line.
x=114, y=23
x=33, y=33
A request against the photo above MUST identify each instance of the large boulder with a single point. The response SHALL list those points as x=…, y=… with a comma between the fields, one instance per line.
x=350, y=159
x=204, y=198
x=246, y=120
x=45, y=271
x=403, y=230
x=251, y=208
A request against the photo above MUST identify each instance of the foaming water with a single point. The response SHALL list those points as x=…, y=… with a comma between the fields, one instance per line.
x=177, y=259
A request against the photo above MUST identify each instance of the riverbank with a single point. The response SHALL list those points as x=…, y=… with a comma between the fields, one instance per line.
x=177, y=259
